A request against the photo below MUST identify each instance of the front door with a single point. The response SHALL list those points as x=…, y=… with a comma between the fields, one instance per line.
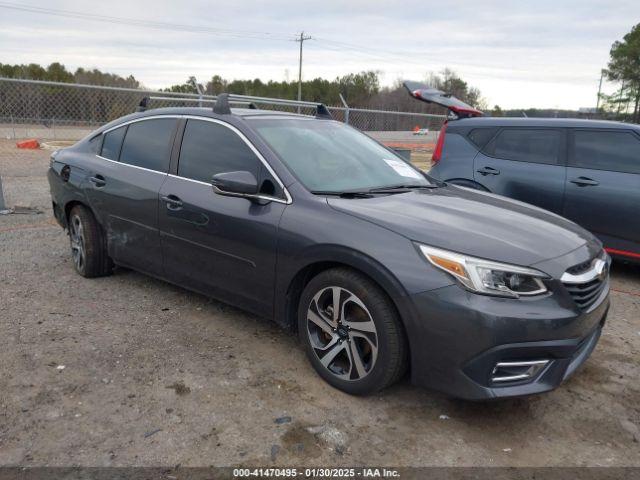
x=526, y=164
x=221, y=246
x=603, y=187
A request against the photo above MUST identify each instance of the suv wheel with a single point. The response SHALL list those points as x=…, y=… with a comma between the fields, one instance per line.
x=88, y=249
x=351, y=332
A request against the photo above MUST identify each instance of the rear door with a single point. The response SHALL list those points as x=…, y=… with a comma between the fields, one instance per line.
x=221, y=246
x=123, y=187
x=526, y=164
x=603, y=186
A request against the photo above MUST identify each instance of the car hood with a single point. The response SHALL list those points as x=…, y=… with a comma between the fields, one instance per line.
x=472, y=222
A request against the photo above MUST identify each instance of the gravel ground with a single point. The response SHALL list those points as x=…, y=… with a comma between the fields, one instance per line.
x=128, y=370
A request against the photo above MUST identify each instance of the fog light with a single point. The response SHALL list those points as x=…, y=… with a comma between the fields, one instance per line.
x=517, y=371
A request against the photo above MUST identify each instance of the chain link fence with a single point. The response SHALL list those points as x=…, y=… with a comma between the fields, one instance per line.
x=65, y=111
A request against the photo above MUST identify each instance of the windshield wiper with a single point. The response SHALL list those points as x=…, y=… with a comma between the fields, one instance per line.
x=390, y=190
x=401, y=188
x=344, y=194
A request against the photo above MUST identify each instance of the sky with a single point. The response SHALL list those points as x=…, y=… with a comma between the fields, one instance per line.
x=520, y=54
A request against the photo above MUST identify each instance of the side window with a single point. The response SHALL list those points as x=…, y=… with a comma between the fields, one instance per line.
x=527, y=145
x=209, y=148
x=148, y=144
x=481, y=136
x=606, y=150
x=95, y=144
x=112, y=143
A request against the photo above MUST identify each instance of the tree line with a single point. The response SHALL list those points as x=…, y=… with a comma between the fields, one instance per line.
x=56, y=72
x=361, y=90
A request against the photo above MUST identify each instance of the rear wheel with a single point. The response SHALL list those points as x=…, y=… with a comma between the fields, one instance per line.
x=88, y=248
x=351, y=332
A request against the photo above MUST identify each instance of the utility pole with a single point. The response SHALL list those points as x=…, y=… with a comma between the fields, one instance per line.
x=301, y=40
x=599, y=91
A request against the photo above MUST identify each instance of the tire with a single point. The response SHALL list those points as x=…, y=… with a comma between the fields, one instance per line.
x=366, y=325
x=88, y=245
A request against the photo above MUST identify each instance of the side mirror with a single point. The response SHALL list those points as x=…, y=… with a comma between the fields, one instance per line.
x=237, y=184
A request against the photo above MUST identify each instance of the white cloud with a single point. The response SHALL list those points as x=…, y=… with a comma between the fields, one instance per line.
x=544, y=53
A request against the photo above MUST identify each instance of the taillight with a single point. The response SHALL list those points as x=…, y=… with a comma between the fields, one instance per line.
x=437, y=153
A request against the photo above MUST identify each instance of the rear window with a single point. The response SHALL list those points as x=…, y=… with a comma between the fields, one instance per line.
x=112, y=143
x=606, y=150
x=527, y=145
x=481, y=136
x=147, y=144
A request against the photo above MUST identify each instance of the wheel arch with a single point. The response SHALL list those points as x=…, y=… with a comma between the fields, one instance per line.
x=290, y=289
x=69, y=206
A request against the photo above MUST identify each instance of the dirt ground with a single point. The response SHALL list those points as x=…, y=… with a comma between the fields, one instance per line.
x=127, y=370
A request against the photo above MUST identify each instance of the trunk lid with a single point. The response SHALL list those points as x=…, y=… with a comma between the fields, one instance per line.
x=456, y=107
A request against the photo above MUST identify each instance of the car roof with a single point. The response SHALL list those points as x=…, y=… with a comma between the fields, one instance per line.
x=541, y=122
x=200, y=112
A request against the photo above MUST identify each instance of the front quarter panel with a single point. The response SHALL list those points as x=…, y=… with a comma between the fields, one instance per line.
x=311, y=232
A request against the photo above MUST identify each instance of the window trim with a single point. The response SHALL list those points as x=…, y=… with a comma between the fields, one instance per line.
x=489, y=148
x=287, y=200
x=572, y=146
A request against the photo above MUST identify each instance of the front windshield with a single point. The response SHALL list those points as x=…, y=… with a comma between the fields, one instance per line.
x=329, y=156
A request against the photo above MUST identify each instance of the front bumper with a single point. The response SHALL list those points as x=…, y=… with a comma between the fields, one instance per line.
x=457, y=338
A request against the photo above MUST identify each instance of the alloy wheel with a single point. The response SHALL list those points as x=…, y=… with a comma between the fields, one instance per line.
x=76, y=235
x=342, y=333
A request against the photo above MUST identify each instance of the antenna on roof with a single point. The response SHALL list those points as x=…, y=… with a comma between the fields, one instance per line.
x=142, y=106
x=322, y=112
x=221, y=106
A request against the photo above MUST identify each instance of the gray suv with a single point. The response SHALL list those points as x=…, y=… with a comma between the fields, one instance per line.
x=587, y=171
x=379, y=268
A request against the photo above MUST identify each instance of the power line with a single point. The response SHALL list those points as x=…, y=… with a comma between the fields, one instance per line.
x=147, y=23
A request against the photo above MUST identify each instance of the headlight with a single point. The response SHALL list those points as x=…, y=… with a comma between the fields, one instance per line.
x=485, y=276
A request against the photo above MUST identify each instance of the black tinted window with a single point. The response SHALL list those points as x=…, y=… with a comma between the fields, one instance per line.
x=148, y=144
x=209, y=148
x=614, y=151
x=481, y=136
x=112, y=143
x=528, y=145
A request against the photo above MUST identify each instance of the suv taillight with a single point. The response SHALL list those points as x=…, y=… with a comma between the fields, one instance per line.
x=437, y=153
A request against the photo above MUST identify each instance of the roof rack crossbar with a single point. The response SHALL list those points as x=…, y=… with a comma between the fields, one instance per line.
x=221, y=103
x=197, y=100
x=322, y=111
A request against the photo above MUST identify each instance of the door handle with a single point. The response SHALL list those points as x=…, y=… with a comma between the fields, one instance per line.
x=488, y=171
x=585, y=182
x=98, y=181
x=173, y=202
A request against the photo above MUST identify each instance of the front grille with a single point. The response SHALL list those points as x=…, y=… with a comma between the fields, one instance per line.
x=585, y=294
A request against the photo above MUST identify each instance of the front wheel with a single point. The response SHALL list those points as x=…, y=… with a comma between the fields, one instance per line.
x=351, y=332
